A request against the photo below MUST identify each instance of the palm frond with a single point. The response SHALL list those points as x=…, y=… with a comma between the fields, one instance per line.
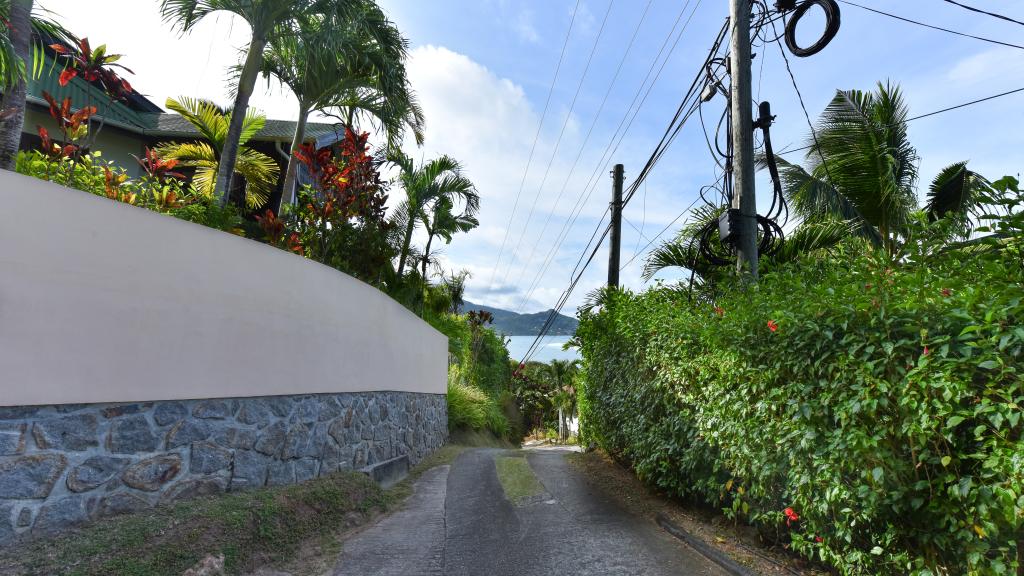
x=955, y=190
x=812, y=236
x=260, y=173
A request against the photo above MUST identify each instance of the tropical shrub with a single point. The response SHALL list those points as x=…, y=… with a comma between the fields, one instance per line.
x=864, y=413
x=470, y=408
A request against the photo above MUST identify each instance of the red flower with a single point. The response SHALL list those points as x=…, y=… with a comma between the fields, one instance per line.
x=719, y=310
x=947, y=292
x=773, y=326
x=819, y=539
x=791, y=516
x=926, y=351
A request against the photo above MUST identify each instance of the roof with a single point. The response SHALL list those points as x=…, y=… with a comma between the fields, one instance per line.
x=140, y=115
x=174, y=125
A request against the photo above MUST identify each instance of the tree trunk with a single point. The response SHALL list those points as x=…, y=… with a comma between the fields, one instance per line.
x=14, y=96
x=426, y=255
x=408, y=240
x=292, y=173
x=246, y=84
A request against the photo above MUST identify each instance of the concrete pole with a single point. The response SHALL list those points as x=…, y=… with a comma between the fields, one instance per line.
x=616, y=234
x=743, y=138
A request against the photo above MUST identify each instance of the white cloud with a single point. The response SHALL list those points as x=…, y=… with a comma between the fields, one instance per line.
x=487, y=123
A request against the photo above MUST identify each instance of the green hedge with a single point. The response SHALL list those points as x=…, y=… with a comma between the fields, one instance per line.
x=884, y=411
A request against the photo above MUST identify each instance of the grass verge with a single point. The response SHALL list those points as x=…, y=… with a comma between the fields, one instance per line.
x=517, y=479
x=251, y=529
x=299, y=528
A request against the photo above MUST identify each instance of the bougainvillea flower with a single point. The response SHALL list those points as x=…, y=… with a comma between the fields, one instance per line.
x=773, y=326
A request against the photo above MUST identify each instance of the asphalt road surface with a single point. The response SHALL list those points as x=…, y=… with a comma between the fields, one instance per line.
x=459, y=522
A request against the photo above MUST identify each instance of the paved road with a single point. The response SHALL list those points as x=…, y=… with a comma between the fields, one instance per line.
x=459, y=523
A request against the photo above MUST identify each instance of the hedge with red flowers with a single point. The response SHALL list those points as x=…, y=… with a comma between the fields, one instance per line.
x=865, y=414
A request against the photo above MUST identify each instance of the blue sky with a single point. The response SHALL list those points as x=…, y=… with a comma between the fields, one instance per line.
x=483, y=70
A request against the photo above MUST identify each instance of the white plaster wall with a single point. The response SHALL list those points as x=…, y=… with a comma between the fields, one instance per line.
x=105, y=302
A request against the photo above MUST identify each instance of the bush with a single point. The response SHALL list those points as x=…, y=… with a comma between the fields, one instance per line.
x=90, y=173
x=478, y=376
x=868, y=415
x=470, y=408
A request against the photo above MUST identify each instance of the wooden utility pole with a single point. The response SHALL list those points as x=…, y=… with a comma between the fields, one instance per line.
x=616, y=234
x=743, y=197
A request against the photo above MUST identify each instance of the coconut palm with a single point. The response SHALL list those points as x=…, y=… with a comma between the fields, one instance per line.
x=441, y=222
x=259, y=170
x=368, y=74
x=863, y=170
x=16, y=52
x=424, y=185
x=267, y=19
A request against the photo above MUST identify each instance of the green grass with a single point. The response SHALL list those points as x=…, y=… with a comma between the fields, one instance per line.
x=251, y=529
x=517, y=479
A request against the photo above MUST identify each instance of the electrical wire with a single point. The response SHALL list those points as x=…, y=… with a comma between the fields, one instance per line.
x=980, y=11
x=533, y=147
x=957, y=107
x=558, y=141
x=807, y=116
x=685, y=110
x=983, y=39
x=579, y=155
x=613, y=144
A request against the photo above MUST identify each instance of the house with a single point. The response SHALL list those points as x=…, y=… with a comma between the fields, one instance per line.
x=130, y=125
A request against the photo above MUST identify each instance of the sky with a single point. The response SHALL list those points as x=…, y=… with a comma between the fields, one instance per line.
x=483, y=71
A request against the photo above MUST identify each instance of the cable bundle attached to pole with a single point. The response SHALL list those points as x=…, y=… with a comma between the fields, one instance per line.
x=832, y=23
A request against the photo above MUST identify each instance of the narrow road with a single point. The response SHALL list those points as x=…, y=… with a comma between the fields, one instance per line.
x=459, y=522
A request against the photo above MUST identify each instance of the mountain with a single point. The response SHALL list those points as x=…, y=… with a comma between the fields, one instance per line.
x=513, y=324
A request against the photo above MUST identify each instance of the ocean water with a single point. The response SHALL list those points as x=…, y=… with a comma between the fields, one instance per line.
x=550, y=348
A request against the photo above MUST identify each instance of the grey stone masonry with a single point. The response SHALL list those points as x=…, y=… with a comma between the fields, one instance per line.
x=67, y=464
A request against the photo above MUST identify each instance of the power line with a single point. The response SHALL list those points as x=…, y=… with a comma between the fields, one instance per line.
x=558, y=142
x=979, y=11
x=675, y=126
x=586, y=139
x=533, y=146
x=958, y=106
x=932, y=26
x=609, y=151
x=659, y=234
x=965, y=104
x=807, y=116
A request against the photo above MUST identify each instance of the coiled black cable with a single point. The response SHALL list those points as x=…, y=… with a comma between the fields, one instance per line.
x=832, y=22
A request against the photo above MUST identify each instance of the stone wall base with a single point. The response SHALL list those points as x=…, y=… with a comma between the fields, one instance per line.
x=63, y=465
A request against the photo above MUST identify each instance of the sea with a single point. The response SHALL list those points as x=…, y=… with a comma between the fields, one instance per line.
x=550, y=348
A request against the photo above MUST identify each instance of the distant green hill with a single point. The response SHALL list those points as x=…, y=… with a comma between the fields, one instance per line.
x=513, y=324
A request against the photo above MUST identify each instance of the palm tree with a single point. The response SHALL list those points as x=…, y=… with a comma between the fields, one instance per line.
x=563, y=375
x=16, y=51
x=440, y=178
x=863, y=170
x=369, y=69
x=259, y=170
x=441, y=222
x=267, y=19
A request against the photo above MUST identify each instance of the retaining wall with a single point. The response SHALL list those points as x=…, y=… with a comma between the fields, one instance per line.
x=145, y=359
x=63, y=465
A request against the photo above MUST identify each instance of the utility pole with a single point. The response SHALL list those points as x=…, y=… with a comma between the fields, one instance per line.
x=616, y=239
x=743, y=197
